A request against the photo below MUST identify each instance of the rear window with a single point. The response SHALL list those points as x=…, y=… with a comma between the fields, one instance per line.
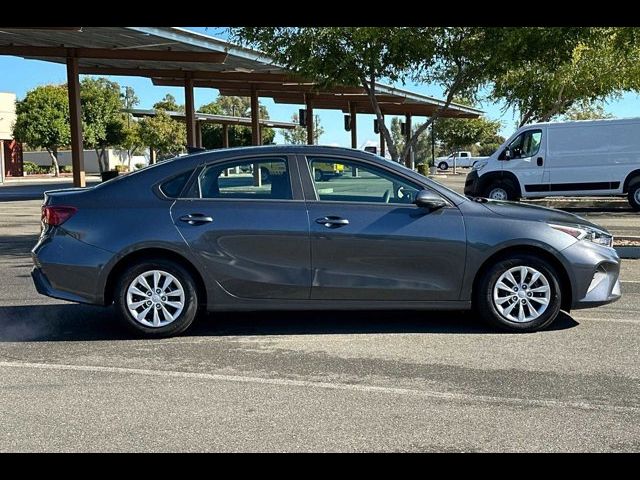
x=173, y=187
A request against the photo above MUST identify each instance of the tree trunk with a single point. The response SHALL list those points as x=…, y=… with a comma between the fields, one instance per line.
x=53, y=153
x=414, y=138
x=105, y=159
x=371, y=92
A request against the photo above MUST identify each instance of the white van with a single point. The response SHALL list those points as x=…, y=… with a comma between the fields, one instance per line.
x=582, y=158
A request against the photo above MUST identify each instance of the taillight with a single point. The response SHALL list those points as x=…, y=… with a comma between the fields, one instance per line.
x=57, y=214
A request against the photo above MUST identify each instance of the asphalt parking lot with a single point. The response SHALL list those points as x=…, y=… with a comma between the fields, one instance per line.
x=72, y=380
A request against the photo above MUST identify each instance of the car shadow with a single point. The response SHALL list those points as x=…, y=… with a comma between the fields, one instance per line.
x=73, y=322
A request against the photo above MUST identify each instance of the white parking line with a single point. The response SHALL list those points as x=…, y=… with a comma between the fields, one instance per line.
x=326, y=385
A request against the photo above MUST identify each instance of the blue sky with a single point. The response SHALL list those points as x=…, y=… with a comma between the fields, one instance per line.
x=19, y=76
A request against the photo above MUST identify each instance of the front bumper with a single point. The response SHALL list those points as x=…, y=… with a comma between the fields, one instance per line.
x=595, y=272
x=472, y=184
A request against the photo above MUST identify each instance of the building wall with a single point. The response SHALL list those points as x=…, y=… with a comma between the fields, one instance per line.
x=7, y=115
x=116, y=157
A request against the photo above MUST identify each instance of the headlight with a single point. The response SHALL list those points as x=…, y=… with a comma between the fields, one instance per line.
x=583, y=232
x=479, y=165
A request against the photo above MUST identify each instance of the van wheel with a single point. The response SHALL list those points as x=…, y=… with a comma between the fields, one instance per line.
x=500, y=191
x=519, y=294
x=443, y=166
x=634, y=196
x=157, y=298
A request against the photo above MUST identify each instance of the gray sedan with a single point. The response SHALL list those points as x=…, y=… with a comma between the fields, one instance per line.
x=257, y=229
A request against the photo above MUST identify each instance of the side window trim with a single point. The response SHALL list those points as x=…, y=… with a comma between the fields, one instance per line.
x=310, y=184
x=292, y=169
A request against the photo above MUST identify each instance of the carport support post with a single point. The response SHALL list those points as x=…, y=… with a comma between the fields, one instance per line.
x=198, y=134
x=190, y=115
x=2, y=167
x=75, y=112
x=307, y=99
x=409, y=161
x=255, y=132
x=354, y=132
x=382, y=144
x=225, y=143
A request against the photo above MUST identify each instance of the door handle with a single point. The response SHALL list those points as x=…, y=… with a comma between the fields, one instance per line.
x=332, y=222
x=540, y=161
x=196, y=219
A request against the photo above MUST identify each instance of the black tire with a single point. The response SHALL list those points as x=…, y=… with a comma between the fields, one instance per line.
x=634, y=196
x=483, y=295
x=183, y=320
x=509, y=191
x=443, y=166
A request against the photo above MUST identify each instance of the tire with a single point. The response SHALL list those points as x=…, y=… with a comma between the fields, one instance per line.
x=166, y=327
x=509, y=318
x=500, y=190
x=443, y=166
x=634, y=196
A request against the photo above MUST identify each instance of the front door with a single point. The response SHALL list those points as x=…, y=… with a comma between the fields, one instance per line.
x=249, y=229
x=369, y=242
x=527, y=161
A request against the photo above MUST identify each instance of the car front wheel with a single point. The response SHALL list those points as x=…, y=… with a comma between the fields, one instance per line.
x=157, y=298
x=519, y=294
x=443, y=165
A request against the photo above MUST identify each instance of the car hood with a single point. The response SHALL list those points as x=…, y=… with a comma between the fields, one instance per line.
x=523, y=211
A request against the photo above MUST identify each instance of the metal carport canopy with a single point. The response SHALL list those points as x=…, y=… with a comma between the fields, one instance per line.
x=176, y=56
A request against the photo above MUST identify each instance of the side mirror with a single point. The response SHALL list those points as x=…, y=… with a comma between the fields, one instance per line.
x=429, y=200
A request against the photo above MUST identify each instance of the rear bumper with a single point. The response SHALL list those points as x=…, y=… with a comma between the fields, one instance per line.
x=472, y=184
x=44, y=287
x=68, y=269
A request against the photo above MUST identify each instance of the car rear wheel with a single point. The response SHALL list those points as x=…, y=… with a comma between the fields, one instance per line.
x=443, y=165
x=157, y=298
x=634, y=196
x=519, y=294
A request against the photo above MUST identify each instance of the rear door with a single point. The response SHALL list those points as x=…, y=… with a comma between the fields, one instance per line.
x=250, y=231
x=369, y=242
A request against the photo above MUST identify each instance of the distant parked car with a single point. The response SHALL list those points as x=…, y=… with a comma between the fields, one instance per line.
x=167, y=240
x=582, y=158
x=459, y=159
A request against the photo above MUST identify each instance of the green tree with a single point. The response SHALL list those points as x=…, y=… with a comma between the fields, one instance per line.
x=163, y=134
x=585, y=110
x=459, y=59
x=298, y=135
x=454, y=134
x=103, y=119
x=169, y=104
x=239, y=136
x=42, y=120
x=604, y=63
x=423, y=144
x=130, y=141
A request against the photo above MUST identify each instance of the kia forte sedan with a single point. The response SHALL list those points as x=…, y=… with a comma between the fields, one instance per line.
x=209, y=231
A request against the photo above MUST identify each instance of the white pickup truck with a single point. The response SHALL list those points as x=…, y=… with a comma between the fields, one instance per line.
x=462, y=159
